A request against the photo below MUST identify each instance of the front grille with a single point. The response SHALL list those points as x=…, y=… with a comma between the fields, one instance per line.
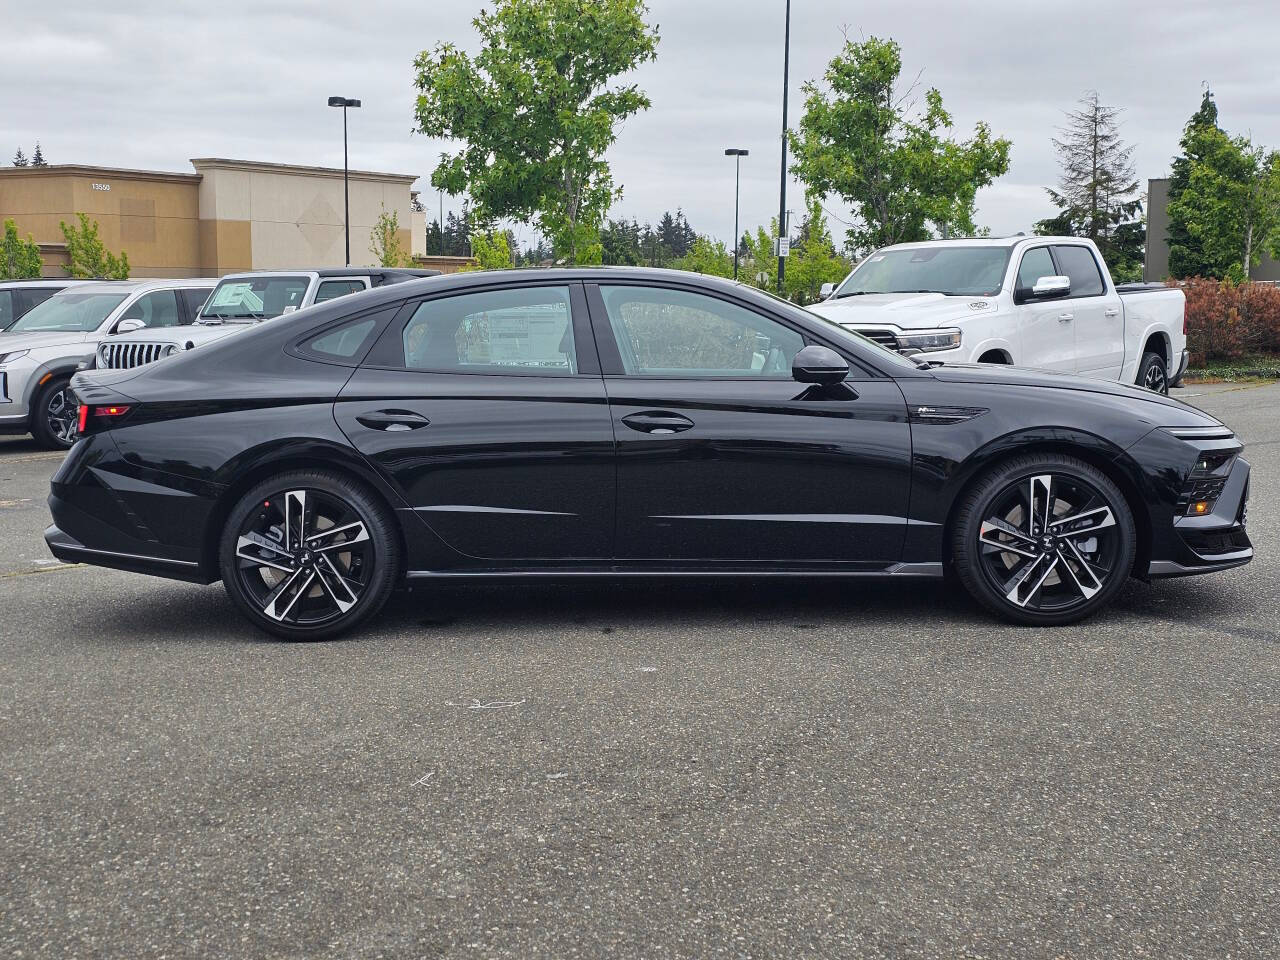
x=885, y=338
x=124, y=356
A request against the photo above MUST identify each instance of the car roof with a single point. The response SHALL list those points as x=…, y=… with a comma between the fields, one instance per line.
x=153, y=283
x=42, y=282
x=327, y=272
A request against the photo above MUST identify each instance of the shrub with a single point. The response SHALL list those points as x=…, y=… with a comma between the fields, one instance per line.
x=1228, y=321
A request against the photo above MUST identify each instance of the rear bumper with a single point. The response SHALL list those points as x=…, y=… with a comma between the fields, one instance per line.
x=69, y=550
x=1176, y=378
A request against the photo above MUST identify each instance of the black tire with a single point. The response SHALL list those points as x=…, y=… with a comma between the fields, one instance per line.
x=1153, y=373
x=55, y=415
x=1038, y=573
x=300, y=521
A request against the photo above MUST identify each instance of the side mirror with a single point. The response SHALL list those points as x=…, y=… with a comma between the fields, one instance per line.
x=1048, y=288
x=130, y=324
x=815, y=364
x=826, y=290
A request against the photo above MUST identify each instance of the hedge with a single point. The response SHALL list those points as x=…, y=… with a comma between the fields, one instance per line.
x=1228, y=321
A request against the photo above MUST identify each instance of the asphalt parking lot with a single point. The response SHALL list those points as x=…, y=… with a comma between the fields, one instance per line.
x=782, y=770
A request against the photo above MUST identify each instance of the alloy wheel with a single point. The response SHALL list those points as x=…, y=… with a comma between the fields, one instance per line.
x=62, y=414
x=1049, y=543
x=1156, y=380
x=304, y=557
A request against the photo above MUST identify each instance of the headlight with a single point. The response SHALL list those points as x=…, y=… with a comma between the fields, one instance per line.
x=6, y=357
x=928, y=341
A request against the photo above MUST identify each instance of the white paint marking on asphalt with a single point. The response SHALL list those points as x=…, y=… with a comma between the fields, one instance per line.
x=14, y=503
x=646, y=669
x=491, y=705
x=556, y=776
x=423, y=781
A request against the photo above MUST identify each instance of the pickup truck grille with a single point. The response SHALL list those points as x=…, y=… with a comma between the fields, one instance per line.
x=123, y=356
x=883, y=337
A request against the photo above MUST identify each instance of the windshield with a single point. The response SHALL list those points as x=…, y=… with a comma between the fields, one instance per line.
x=254, y=298
x=950, y=270
x=69, y=313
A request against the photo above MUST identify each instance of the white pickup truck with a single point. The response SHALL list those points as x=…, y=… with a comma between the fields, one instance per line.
x=1045, y=302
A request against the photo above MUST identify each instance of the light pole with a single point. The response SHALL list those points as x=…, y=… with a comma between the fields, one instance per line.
x=782, y=202
x=345, y=102
x=737, y=155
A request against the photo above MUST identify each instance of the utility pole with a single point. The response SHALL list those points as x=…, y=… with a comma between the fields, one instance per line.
x=344, y=103
x=782, y=200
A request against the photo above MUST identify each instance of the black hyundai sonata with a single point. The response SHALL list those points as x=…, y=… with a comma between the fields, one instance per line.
x=621, y=423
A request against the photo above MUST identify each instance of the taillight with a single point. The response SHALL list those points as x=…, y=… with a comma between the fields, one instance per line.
x=100, y=416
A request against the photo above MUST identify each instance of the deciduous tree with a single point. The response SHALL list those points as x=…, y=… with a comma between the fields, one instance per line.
x=19, y=258
x=535, y=110
x=384, y=241
x=88, y=257
x=862, y=139
x=1186, y=258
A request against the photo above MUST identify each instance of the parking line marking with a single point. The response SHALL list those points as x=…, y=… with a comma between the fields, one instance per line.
x=29, y=573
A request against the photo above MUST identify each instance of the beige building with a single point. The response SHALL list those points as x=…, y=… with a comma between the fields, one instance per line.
x=227, y=216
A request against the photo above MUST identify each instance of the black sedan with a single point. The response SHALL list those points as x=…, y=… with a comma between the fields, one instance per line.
x=623, y=423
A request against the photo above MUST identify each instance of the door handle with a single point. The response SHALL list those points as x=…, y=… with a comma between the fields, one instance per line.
x=393, y=421
x=657, y=421
x=1111, y=312
x=1066, y=316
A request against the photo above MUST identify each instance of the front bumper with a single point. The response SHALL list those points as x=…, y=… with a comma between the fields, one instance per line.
x=15, y=380
x=1215, y=541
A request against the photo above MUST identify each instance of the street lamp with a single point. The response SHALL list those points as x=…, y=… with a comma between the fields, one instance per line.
x=737, y=154
x=782, y=200
x=345, y=102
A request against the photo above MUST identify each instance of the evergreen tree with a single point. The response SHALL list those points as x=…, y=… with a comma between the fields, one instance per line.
x=19, y=158
x=1186, y=254
x=37, y=158
x=1098, y=192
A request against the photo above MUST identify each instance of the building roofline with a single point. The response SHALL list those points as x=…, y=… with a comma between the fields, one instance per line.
x=222, y=163
x=86, y=170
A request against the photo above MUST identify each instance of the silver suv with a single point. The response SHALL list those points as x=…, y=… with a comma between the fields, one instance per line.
x=42, y=349
x=19, y=296
x=243, y=300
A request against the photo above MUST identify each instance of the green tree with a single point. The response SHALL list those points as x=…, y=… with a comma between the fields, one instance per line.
x=814, y=260
x=860, y=139
x=535, y=109
x=37, y=158
x=707, y=256
x=758, y=265
x=87, y=257
x=491, y=250
x=19, y=259
x=20, y=159
x=620, y=243
x=1186, y=258
x=1230, y=205
x=1097, y=195
x=384, y=241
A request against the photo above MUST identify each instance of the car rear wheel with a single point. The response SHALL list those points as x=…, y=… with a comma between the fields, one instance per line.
x=1153, y=373
x=55, y=415
x=1043, y=539
x=309, y=555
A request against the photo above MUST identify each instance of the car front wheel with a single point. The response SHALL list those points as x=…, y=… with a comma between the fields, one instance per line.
x=1044, y=540
x=308, y=555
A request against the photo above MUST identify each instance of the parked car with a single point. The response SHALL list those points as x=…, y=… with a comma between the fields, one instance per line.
x=1046, y=302
x=19, y=296
x=40, y=351
x=242, y=300
x=621, y=423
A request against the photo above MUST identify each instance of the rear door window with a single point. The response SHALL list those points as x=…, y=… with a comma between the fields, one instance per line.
x=332, y=289
x=1078, y=264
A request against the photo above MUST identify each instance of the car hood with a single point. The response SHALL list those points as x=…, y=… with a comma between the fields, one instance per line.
x=197, y=335
x=911, y=311
x=998, y=375
x=35, y=340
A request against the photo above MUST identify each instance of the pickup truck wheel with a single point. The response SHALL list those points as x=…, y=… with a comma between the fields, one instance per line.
x=1044, y=539
x=1153, y=374
x=55, y=415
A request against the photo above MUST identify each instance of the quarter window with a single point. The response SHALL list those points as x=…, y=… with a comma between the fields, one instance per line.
x=522, y=331
x=663, y=332
x=1035, y=264
x=1078, y=264
x=332, y=289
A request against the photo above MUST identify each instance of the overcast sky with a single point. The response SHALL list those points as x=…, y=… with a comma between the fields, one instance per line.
x=152, y=84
